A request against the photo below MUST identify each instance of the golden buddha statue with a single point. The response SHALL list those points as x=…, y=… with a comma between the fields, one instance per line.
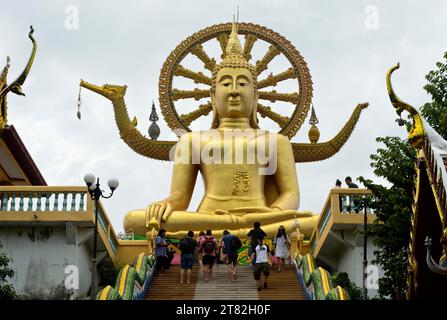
x=234, y=186
x=249, y=174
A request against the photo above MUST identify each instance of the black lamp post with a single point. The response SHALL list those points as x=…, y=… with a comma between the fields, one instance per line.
x=95, y=194
x=364, y=204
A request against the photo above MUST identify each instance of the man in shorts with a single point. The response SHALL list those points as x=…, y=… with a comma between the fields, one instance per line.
x=230, y=245
x=187, y=246
x=261, y=258
x=209, y=247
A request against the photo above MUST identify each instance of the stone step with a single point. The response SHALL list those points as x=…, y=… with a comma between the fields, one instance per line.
x=219, y=287
x=281, y=286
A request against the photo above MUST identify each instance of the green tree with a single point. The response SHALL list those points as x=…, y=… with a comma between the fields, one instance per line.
x=7, y=291
x=108, y=272
x=396, y=164
x=435, y=112
x=342, y=280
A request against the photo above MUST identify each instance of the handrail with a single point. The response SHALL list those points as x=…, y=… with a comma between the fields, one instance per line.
x=109, y=234
x=334, y=212
x=316, y=281
x=43, y=198
x=132, y=282
x=45, y=201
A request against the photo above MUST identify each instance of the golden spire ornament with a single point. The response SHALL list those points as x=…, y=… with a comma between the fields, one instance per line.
x=314, y=133
x=234, y=56
x=154, y=129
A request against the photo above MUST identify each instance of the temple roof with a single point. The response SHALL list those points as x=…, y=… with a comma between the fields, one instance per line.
x=16, y=162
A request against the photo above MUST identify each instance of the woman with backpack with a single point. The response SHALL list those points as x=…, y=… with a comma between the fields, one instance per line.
x=281, y=244
x=209, y=248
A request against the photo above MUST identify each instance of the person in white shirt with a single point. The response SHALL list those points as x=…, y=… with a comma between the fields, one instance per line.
x=262, y=263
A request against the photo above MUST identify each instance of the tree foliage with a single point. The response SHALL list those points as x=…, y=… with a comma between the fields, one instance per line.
x=108, y=272
x=435, y=112
x=7, y=291
x=396, y=164
x=342, y=280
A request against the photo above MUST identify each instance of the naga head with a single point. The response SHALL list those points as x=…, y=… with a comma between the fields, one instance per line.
x=416, y=135
x=109, y=91
x=234, y=85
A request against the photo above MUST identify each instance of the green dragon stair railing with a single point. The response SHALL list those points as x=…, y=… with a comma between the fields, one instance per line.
x=132, y=282
x=317, y=282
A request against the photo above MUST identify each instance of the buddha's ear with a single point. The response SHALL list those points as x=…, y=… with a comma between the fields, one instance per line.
x=212, y=95
x=215, y=121
x=254, y=112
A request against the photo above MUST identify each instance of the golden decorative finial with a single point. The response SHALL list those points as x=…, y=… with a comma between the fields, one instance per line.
x=314, y=133
x=234, y=46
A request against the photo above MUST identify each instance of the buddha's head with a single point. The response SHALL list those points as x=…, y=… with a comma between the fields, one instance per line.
x=233, y=91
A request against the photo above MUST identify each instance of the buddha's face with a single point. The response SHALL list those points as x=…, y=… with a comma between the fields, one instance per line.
x=234, y=95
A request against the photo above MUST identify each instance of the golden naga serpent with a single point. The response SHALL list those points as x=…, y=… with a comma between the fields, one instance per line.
x=417, y=133
x=16, y=85
x=194, y=46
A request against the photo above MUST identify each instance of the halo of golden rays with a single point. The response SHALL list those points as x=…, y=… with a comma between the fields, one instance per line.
x=194, y=45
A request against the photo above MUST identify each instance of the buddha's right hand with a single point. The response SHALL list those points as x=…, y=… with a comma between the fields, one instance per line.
x=160, y=211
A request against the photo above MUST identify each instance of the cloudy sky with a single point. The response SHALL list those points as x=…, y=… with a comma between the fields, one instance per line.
x=348, y=45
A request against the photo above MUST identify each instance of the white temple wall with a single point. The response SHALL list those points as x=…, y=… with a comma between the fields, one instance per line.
x=42, y=261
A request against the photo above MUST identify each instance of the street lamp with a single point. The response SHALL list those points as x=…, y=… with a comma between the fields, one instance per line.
x=95, y=194
x=363, y=205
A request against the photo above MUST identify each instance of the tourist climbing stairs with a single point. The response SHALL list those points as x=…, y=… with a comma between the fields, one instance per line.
x=281, y=285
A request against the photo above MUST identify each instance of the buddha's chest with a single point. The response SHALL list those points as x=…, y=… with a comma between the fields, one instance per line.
x=235, y=150
x=233, y=179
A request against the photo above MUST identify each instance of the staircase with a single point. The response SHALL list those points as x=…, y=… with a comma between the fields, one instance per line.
x=281, y=286
x=166, y=286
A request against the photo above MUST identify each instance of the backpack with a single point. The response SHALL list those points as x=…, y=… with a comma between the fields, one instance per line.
x=184, y=244
x=209, y=246
x=235, y=244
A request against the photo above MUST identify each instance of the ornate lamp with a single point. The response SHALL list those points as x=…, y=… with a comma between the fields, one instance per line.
x=96, y=193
